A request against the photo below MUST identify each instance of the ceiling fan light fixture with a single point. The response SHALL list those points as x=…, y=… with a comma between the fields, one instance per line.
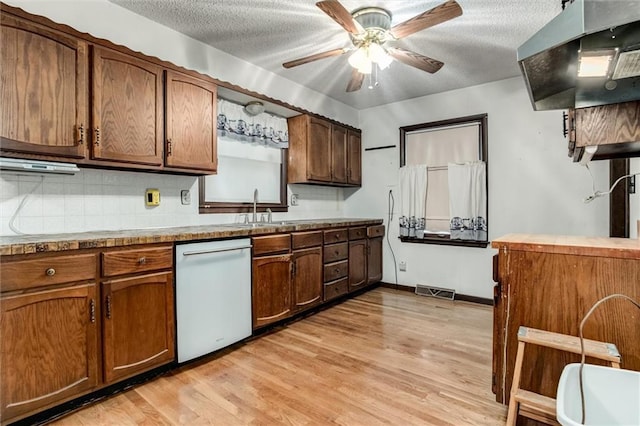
x=360, y=60
x=378, y=55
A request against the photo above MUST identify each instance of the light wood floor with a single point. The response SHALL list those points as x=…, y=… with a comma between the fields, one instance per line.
x=386, y=356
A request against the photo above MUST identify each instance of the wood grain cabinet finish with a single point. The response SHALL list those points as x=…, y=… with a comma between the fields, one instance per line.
x=354, y=158
x=127, y=111
x=374, y=260
x=307, y=278
x=550, y=284
x=43, y=90
x=136, y=261
x=271, y=289
x=335, y=252
x=138, y=324
x=319, y=151
x=191, y=123
x=338, y=154
x=48, y=348
x=357, y=264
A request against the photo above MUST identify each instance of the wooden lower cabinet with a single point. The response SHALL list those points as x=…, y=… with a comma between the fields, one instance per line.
x=549, y=283
x=307, y=278
x=271, y=289
x=138, y=325
x=48, y=348
x=357, y=264
x=374, y=260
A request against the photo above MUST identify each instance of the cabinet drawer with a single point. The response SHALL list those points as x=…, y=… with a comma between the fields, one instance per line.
x=25, y=274
x=140, y=260
x=271, y=244
x=336, y=236
x=375, y=231
x=336, y=270
x=336, y=288
x=306, y=239
x=335, y=252
x=357, y=233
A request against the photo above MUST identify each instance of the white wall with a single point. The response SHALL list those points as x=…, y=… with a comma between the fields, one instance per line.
x=533, y=186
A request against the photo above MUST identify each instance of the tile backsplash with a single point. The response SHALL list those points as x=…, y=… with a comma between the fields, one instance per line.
x=95, y=200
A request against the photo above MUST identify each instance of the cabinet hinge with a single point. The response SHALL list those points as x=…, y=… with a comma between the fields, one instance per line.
x=109, y=306
x=81, y=134
x=97, y=136
x=92, y=310
x=168, y=147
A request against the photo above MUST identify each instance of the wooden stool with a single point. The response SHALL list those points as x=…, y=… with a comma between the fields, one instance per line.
x=540, y=407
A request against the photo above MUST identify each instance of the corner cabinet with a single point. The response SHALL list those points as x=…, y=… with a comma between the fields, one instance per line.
x=43, y=90
x=127, y=111
x=322, y=152
x=191, y=123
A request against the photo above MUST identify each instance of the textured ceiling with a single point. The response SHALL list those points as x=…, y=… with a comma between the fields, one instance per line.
x=477, y=47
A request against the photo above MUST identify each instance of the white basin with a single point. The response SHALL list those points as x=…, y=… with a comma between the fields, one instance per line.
x=612, y=396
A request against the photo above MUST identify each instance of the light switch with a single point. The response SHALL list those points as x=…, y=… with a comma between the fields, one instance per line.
x=152, y=197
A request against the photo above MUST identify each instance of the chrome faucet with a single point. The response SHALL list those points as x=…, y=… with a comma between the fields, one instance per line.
x=254, y=218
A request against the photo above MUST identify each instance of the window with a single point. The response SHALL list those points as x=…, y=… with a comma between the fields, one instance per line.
x=444, y=151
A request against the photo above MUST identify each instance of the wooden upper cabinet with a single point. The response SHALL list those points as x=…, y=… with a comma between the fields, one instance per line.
x=49, y=347
x=43, y=90
x=354, y=158
x=338, y=154
x=319, y=150
x=138, y=325
x=191, y=120
x=127, y=110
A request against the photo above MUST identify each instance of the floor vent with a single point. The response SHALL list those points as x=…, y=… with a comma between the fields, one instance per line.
x=442, y=293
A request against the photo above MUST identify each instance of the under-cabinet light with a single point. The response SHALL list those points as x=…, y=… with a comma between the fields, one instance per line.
x=595, y=63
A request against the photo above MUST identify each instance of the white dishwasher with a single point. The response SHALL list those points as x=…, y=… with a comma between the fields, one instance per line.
x=213, y=295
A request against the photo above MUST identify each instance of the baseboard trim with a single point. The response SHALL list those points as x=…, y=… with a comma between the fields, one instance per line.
x=458, y=296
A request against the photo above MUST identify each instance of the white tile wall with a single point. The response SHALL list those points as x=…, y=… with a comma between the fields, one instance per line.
x=110, y=200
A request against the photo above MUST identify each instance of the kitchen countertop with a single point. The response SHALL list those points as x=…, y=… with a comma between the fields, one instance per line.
x=41, y=243
x=563, y=244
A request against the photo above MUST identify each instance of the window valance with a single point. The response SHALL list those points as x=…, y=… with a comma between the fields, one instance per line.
x=263, y=129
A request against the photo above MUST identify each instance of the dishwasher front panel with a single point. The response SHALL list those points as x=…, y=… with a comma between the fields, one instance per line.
x=213, y=296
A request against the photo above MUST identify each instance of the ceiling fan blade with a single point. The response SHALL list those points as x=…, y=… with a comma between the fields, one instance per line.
x=437, y=15
x=415, y=59
x=315, y=57
x=338, y=13
x=356, y=81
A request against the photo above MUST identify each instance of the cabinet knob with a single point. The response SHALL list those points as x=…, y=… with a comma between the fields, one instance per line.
x=50, y=272
x=337, y=252
x=142, y=260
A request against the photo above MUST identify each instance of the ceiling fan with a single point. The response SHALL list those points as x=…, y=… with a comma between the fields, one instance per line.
x=370, y=29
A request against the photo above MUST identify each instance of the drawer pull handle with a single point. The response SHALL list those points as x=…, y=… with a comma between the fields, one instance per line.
x=337, y=270
x=142, y=260
x=337, y=252
x=50, y=272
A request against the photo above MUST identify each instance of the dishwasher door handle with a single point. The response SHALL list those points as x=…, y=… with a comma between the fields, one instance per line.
x=220, y=250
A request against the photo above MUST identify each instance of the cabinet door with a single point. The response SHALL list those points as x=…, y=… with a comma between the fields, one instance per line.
x=48, y=348
x=357, y=264
x=126, y=109
x=354, y=158
x=319, y=150
x=271, y=289
x=138, y=324
x=307, y=278
x=338, y=154
x=191, y=123
x=43, y=90
x=374, y=260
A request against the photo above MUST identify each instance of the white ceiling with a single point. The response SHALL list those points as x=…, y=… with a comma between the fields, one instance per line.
x=477, y=47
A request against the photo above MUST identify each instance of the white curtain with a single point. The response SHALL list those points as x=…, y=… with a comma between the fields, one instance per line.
x=413, y=196
x=468, y=201
x=262, y=129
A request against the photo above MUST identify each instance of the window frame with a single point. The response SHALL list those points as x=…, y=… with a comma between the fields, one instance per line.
x=247, y=207
x=483, y=152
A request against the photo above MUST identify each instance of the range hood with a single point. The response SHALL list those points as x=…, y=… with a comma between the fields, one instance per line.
x=550, y=59
x=34, y=166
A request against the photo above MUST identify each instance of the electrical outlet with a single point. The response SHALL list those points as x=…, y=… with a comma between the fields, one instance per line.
x=294, y=199
x=185, y=197
x=402, y=265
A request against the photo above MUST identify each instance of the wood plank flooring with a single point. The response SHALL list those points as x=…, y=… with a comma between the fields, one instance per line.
x=386, y=356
